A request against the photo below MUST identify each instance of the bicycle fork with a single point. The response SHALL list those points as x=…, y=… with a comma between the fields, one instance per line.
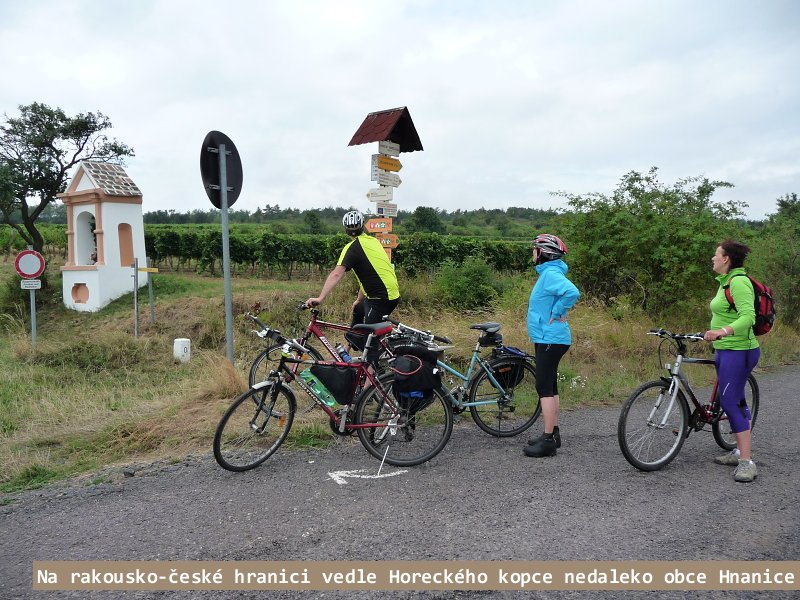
x=673, y=389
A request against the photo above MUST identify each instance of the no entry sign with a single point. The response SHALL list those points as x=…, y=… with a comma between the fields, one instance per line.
x=29, y=264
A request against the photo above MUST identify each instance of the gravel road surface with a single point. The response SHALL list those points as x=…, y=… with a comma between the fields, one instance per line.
x=480, y=499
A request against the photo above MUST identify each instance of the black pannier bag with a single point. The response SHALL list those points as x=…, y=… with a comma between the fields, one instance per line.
x=509, y=374
x=416, y=376
x=340, y=381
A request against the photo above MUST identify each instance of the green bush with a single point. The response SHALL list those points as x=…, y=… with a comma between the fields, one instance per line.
x=469, y=285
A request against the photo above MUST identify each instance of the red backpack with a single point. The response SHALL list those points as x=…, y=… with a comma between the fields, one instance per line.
x=763, y=302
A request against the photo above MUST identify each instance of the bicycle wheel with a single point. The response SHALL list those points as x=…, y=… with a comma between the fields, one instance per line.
x=405, y=433
x=268, y=360
x=254, y=427
x=648, y=435
x=510, y=414
x=723, y=435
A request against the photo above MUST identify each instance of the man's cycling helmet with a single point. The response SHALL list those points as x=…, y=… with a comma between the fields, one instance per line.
x=353, y=221
x=550, y=247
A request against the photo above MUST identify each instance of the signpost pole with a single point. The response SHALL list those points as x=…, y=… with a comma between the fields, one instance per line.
x=226, y=261
x=29, y=264
x=33, y=321
x=135, y=266
x=150, y=294
x=217, y=176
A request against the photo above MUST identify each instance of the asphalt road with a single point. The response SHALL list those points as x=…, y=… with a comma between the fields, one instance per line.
x=480, y=499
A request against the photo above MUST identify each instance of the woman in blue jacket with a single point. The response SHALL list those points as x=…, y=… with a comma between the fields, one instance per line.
x=552, y=296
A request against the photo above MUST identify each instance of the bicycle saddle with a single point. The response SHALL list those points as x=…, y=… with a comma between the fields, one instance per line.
x=375, y=328
x=490, y=327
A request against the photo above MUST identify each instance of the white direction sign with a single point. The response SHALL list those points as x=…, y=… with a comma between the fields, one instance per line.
x=389, y=148
x=381, y=194
x=387, y=178
x=386, y=209
x=31, y=284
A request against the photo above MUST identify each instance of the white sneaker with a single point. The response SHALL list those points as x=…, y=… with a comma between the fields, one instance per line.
x=731, y=458
x=746, y=471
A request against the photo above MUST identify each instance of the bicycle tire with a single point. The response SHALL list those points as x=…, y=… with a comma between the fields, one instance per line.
x=238, y=443
x=505, y=418
x=417, y=438
x=268, y=360
x=721, y=429
x=645, y=443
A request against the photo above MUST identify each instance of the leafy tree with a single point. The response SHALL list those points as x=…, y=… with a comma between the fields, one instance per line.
x=775, y=259
x=37, y=151
x=648, y=244
x=425, y=220
x=313, y=222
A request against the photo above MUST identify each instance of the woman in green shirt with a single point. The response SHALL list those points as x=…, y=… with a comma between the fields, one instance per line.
x=736, y=350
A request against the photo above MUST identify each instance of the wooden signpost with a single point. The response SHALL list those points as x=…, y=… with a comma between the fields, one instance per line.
x=394, y=131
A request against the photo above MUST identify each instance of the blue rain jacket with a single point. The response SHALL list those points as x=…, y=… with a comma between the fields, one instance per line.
x=552, y=296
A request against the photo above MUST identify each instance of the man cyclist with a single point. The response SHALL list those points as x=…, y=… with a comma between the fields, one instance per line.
x=378, y=291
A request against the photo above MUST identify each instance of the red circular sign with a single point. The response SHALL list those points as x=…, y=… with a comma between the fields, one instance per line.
x=29, y=264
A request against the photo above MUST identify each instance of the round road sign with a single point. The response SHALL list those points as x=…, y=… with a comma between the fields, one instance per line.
x=29, y=264
x=209, y=168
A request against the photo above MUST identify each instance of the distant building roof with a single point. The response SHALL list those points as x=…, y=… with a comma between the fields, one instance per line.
x=393, y=125
x=110, y=178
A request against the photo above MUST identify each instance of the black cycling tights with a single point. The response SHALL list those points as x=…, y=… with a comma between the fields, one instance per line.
x=547, y=358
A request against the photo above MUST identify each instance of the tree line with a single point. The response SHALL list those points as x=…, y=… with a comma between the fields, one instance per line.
x=646, y=245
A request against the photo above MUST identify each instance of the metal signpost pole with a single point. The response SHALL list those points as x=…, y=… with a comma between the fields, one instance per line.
x=222, y=174
x=135, y=266
x=33, y=321
x=226, y=261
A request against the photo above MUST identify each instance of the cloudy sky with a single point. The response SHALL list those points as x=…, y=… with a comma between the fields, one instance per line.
x=512, y=99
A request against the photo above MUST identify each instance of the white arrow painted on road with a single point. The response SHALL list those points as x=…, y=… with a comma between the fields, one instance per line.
x=340, y=476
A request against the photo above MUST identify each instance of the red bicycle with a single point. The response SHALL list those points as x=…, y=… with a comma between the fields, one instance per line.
x=268, y=359
x=401, y=432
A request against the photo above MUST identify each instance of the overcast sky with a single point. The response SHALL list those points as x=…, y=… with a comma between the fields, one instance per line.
x=512, y=100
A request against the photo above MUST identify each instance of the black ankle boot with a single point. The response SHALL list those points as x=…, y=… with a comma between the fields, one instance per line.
x=556, y=436
x=544, y=446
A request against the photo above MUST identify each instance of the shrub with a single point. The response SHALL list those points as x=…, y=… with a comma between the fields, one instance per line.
x=468, y=285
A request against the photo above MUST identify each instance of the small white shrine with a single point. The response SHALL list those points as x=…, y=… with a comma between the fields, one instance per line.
x=105, y=233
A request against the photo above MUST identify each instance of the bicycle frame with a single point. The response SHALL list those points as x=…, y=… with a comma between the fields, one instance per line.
x=687, y=387
x=680, y=381
x=476, y=359
x=364, y=374
x=457, y=393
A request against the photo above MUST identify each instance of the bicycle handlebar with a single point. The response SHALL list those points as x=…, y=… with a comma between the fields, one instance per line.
x=663, y=333
x=256, y=320
x=399, y=325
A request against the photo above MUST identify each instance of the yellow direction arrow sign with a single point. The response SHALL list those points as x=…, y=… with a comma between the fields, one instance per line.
x=149, y=269
x=379, y=225
x=387, y=163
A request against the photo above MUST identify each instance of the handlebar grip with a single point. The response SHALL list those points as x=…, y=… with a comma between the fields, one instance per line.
x=443, y=339
x=257, y=321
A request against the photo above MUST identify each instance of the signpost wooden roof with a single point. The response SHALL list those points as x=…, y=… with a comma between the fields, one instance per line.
x=393, y=125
